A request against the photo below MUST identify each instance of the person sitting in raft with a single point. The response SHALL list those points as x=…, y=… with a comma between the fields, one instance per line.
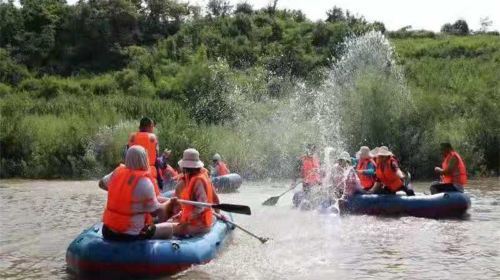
x=195, y=185
x=218, y=167
x=390, y=178
x=366, y=168
x=168, y=174
x=453, y=172
x=146, y=138
x=308, y=169
x=340, y=171
x=352, y=184
x=132, y=202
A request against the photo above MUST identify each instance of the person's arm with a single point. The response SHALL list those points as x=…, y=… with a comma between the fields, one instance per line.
x=104, y=181
x=396, y=168
x=400, y=174
x=144, y=193
x=370, y=169
x=216, y=199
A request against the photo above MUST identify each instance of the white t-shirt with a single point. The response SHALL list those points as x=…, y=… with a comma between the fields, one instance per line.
x=146, y=199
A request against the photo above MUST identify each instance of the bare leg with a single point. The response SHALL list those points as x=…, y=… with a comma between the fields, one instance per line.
x=167, y=230
x=167, y=210
x=164, y=230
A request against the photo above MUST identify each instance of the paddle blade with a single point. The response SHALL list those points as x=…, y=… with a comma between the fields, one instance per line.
x=233, y=208
x=271, y=201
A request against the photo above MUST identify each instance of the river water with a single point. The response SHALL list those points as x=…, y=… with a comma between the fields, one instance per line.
x=38, y=219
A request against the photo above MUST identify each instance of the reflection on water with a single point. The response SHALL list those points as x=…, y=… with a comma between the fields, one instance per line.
x=40, y=218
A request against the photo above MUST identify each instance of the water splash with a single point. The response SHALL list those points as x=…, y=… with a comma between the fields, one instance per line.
x=363, y=93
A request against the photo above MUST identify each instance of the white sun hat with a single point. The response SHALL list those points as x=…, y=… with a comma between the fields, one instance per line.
x=384, y=151
x=345, y=156
x=364, y=152
x=190, y=159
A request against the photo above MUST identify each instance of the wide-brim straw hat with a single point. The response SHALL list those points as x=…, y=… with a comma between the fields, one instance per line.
x=384, y=151
x=345, y=156
x=364, y=152
x=191, y=159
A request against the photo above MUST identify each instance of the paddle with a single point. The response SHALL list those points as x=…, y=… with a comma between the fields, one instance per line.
x=407, y=179
x=406, y=183
x=233, y=208
x=261, y=239
x=274, y=199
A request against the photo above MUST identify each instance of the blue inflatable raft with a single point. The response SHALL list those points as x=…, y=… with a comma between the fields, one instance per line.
x=227, y=183
x=89, y=253
x=441, y=205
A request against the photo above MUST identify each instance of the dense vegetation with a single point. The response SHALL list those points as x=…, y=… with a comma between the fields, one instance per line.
x=74, y=80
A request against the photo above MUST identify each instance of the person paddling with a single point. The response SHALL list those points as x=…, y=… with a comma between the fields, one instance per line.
x=390, y=178
x=132, y=202
x=146, y=138
x=196, y=186
x=366, y=168
x=219, y=167
x=308, y=169
x=453, y=172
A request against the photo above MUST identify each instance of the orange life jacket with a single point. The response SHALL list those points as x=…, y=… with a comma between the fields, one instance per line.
x=387, y=176
x=367, y=181
x=148, y=141
x=221, y=168
x=118, y=213
x=459, y=174
x=205, y=218
x=310, y=170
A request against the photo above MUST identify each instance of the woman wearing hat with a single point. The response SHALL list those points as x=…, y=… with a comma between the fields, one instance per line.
x=195, y=185
x=346, y=182
x=390, y=178
x=219, y=168
x=366, y=168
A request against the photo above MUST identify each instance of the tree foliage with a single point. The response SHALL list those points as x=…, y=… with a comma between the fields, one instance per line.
x=73, y=77
x=460, y=27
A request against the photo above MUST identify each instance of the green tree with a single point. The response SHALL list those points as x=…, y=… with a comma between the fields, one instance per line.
x=460, y=27
x=335, y=14
x=162, y=18
x=11, y=23
x=243, y=8
x=218, y=8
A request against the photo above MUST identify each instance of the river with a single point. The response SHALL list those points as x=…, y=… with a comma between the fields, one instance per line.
x=40, y=218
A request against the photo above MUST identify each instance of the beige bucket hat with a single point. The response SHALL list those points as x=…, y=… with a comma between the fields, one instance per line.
x=384, y=151
x=364, y=152
x=190, y=159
